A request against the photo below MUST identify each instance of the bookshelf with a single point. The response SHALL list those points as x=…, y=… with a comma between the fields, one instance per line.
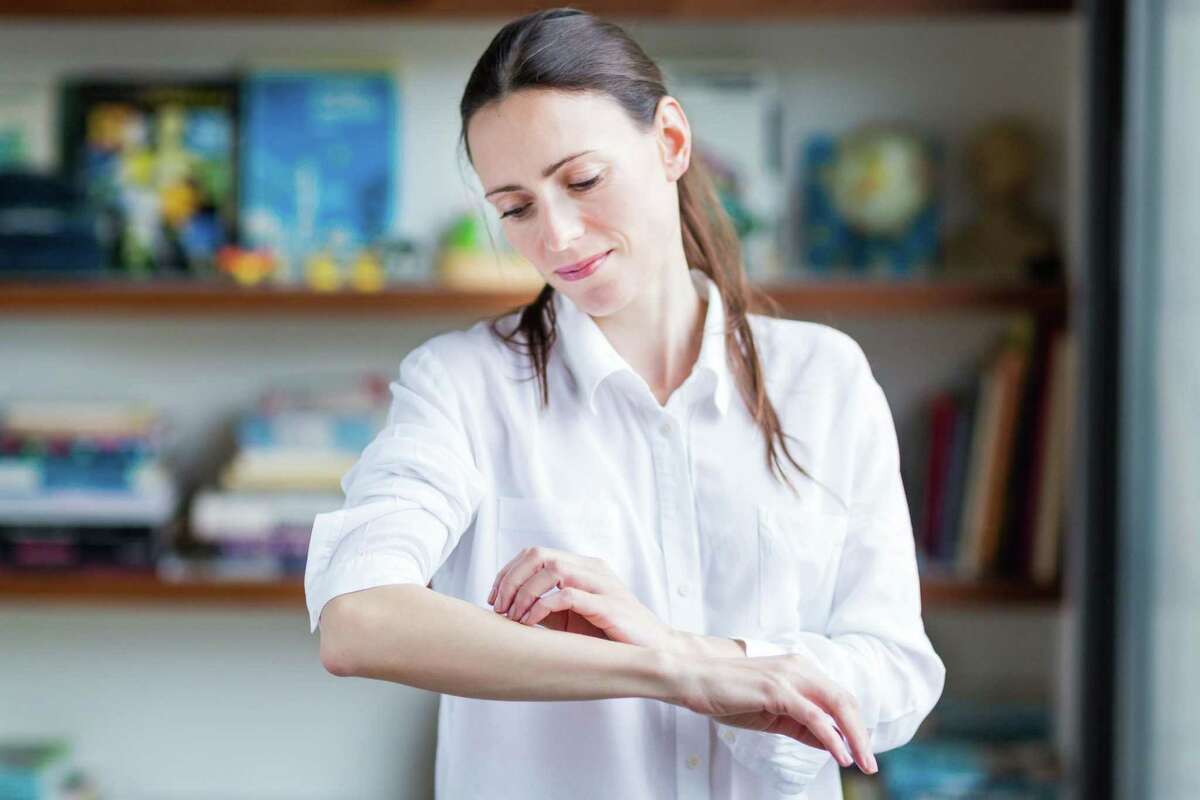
x=202, y=298
x=148, y=589
x=233, y=670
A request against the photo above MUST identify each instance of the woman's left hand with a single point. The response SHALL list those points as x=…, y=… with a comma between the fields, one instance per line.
x=591, y=598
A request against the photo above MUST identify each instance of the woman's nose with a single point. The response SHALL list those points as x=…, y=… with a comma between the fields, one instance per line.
x=560, y=226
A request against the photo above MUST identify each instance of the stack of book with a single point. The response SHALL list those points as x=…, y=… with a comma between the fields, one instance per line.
x=82, y=485
x=999, y=750
x=998, y=463
x=42, y=770
x=292, y=451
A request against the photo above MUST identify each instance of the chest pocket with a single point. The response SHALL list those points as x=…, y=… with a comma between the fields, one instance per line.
x=798, y=555
x=581, y=527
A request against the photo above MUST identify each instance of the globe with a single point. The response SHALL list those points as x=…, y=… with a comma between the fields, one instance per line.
x=881, y=179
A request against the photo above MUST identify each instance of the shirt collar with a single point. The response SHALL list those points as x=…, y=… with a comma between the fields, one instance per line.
x=591, y=358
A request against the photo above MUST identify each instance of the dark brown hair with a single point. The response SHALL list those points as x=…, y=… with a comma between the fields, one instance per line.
x=571, y=50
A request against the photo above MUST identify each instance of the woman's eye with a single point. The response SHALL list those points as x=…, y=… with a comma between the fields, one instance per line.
x=580, y=186
x=589, y=183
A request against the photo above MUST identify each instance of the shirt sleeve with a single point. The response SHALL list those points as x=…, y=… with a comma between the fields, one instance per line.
x=874, y=645
x=409, y=497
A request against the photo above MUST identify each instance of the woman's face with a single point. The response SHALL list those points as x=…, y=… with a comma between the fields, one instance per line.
x=572, y=178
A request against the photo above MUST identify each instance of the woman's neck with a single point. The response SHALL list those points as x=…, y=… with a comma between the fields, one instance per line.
x=660, y=332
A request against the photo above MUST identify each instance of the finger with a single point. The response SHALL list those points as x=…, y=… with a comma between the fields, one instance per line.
x=500, y=576
x=533, y=560
x=551, y=575
x=820, y=726
x=840, y=704
x=519, y=569
x=583, y=603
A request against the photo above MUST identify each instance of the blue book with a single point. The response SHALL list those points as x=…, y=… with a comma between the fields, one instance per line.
x=39, y=771
x=319, y=165
x=315, y=430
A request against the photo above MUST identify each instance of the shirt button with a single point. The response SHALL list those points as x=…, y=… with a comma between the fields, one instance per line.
x=693, y=762
x=665, y=429
x=683, y=589
x=728, y=736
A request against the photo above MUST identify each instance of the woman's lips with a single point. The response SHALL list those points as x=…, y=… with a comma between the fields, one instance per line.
x=587, y=269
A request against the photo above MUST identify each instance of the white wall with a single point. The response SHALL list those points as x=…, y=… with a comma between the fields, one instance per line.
x=189, y=704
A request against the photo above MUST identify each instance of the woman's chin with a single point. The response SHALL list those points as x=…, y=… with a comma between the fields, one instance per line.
x=599, y=298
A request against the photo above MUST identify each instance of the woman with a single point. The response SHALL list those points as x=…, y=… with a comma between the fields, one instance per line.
x=632, y=491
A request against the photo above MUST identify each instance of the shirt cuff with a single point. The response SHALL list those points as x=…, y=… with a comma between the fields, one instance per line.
x=789, y=764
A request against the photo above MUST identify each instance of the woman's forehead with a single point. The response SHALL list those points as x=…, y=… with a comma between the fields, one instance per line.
x=530, y=129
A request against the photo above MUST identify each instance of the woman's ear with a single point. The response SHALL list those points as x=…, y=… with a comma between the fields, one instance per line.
x=674, y=137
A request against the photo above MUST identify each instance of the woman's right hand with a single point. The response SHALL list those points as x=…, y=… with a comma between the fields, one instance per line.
x=784, y=694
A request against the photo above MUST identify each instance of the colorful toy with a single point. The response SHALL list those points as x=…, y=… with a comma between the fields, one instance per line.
x=468, y=261
x=322, y=273
x=367, y=273
x=248, y=267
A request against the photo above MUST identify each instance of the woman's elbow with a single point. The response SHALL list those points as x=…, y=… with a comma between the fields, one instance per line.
x=335, y=625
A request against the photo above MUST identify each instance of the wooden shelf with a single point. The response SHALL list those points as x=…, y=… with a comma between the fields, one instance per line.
x=507, y=9
x=941, y=593
x=147, y=589
x=808, y=297
x=150, y=590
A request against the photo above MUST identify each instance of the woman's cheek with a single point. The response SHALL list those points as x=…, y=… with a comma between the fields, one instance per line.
x=525, y=243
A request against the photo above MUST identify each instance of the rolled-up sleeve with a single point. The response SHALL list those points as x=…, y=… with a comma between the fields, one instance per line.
x=409, y=497
x=874, y=645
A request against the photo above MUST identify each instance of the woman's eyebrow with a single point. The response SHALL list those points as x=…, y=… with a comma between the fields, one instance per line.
x=546, y=173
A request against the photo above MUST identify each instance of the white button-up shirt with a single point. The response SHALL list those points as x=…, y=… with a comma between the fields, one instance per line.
x=679, y=501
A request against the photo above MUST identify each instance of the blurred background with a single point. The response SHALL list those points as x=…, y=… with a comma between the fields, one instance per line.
x=221, y=229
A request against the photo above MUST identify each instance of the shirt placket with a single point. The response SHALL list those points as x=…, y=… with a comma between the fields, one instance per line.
x=677, y=525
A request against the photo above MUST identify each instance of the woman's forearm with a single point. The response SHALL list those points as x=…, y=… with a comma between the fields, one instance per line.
x=412, y=635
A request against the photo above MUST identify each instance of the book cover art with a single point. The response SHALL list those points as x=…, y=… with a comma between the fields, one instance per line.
x=319, y=164
x=157, y=159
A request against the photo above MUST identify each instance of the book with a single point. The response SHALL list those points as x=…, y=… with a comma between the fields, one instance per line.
x=255, y=515
x=941, y=430
x=1027, y=458
x=310, y=429
x=956, y=480
x=990, y=454
x=983, y=436
x=1049, y=517
x=287, y=468
x=155, y=505
x=79, y=419
x=1015, y=362
x=42, y=769
x=320, y=167
x=157, y=158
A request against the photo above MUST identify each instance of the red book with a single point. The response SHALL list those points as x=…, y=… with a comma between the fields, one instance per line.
x=941, y=414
